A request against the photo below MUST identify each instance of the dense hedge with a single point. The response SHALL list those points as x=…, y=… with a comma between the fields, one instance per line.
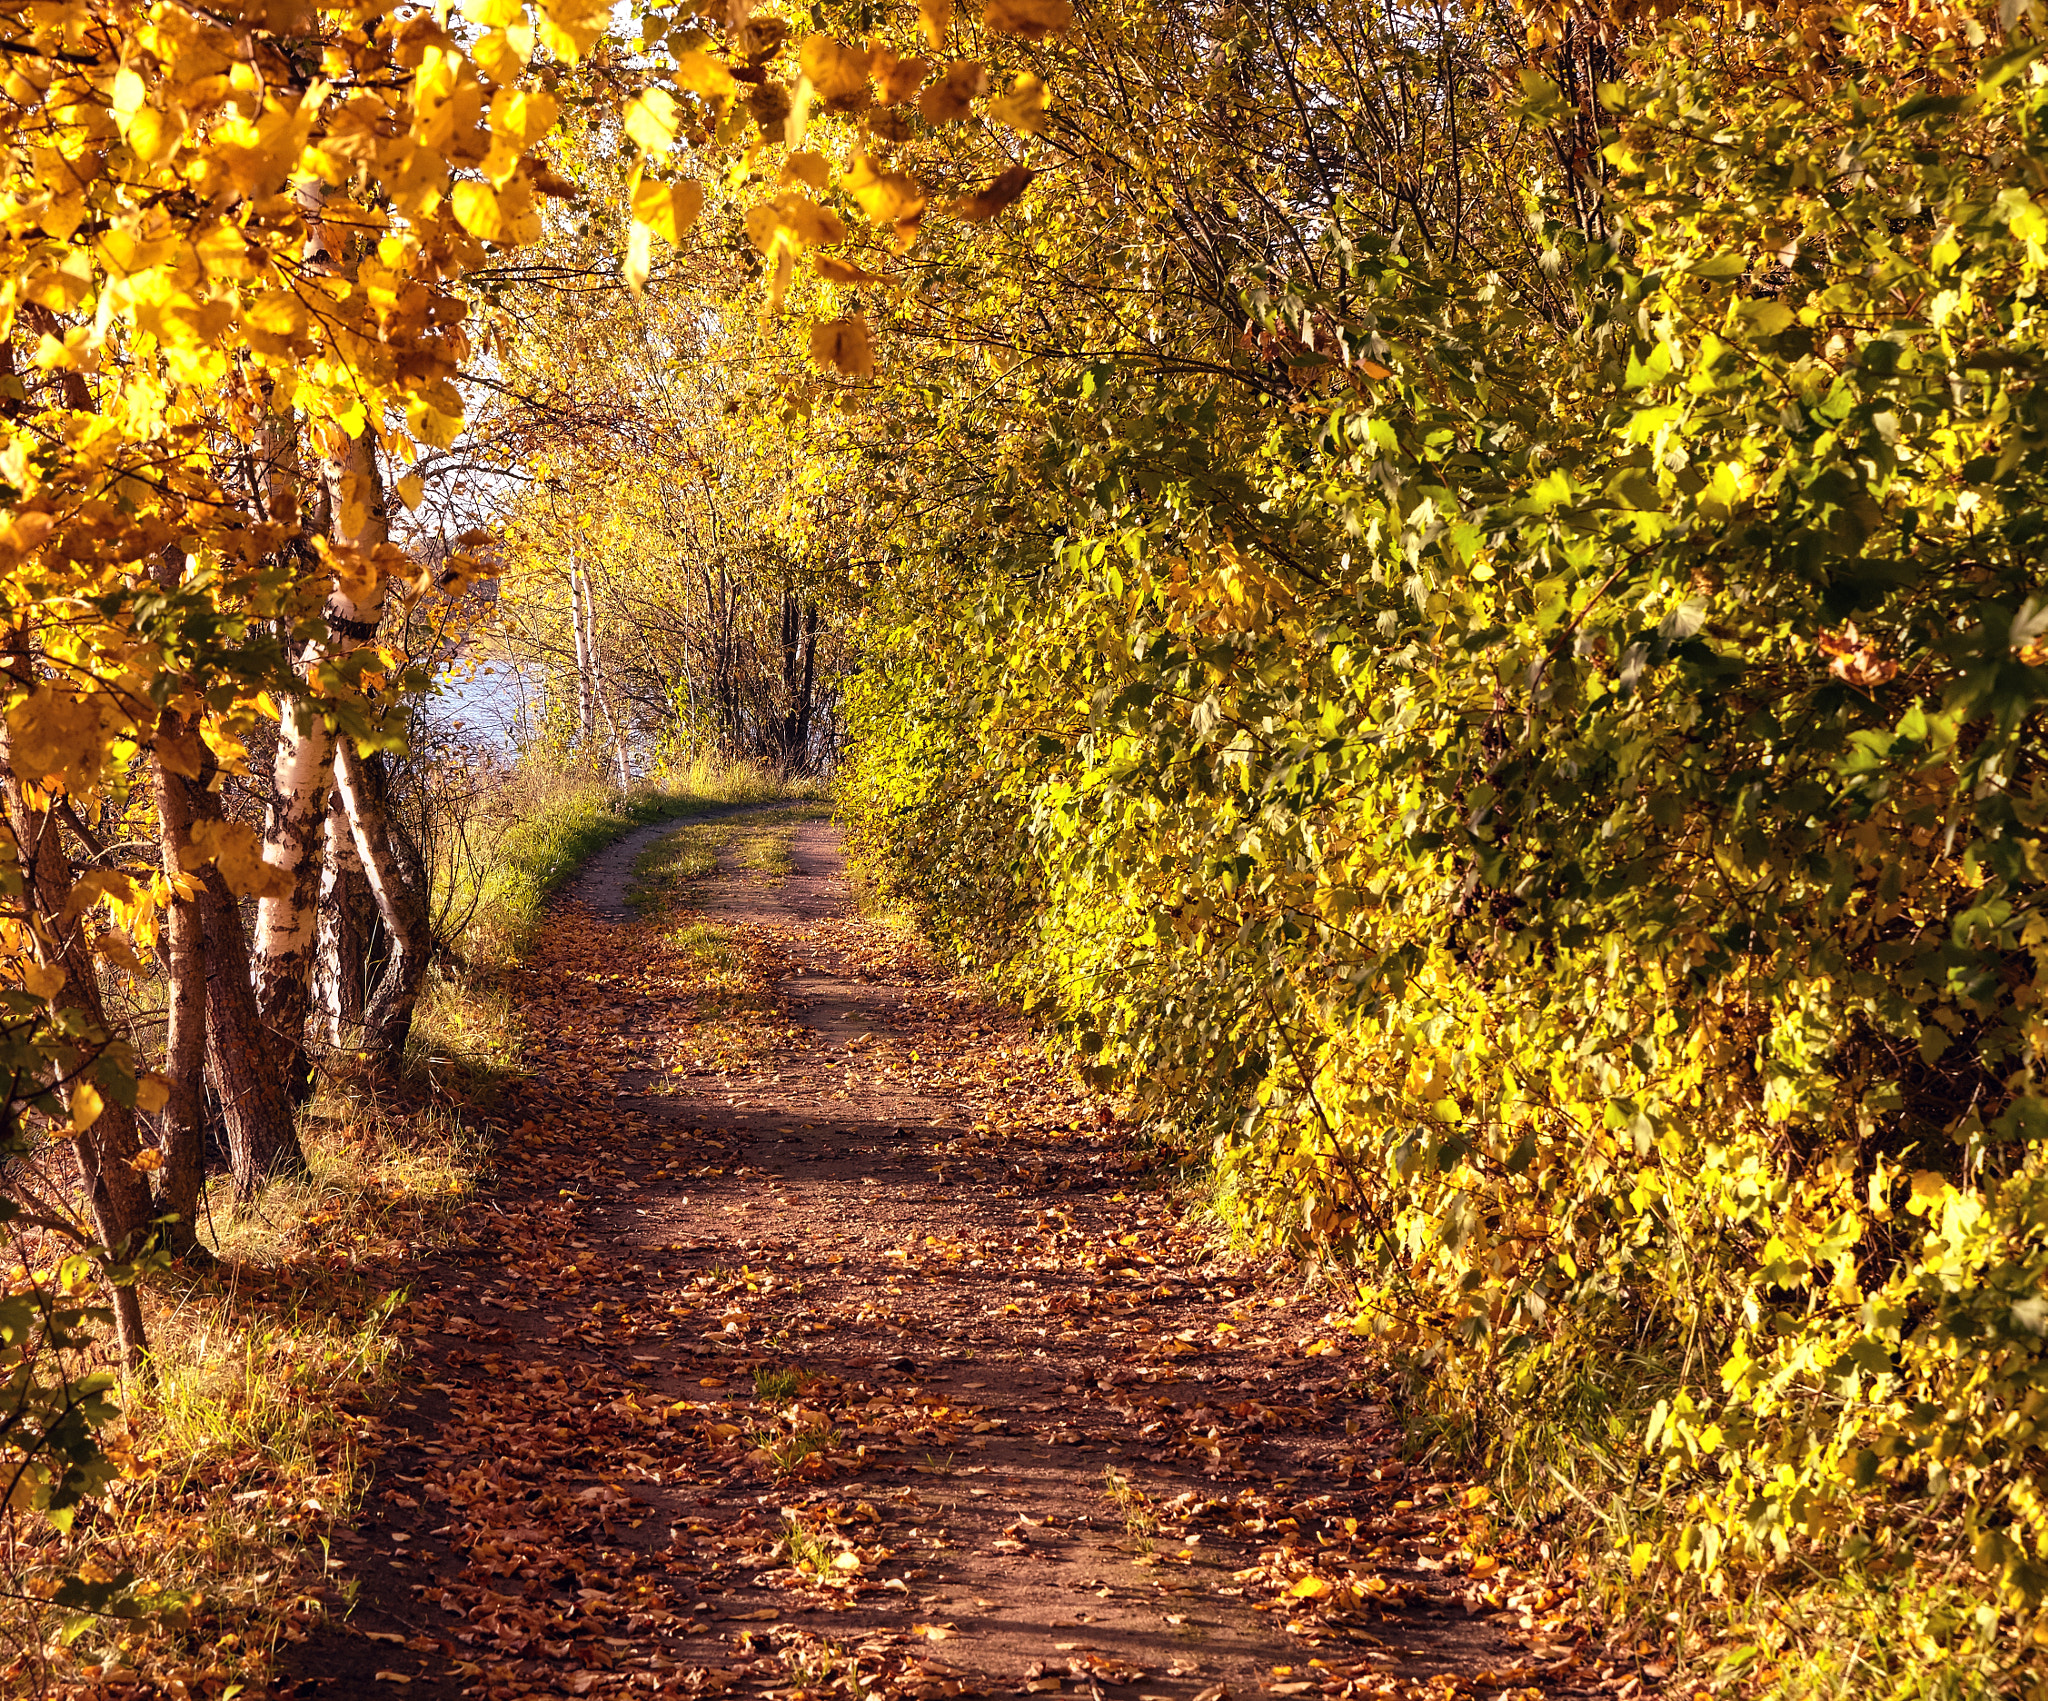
x=1554, y=807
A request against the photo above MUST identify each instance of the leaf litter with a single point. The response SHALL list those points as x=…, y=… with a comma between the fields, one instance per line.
x=818, y=1339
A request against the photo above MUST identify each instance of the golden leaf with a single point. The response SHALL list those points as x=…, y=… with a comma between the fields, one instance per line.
x=476, y=210
x=812, y=169
x=237, y=851
x=570, y=28
x=86, y=1106
x=1024, y=107
x=667, y=209
x=651, y=118
x=410, y=490
x=502, y=54
x=797, y=214
x=639, y=261
x=494, y=14
x=701, y=74
x=148, y=1160
x=42, y=980
x=523, y=116
x=778, y=283
x=934, y=17
x=979, y=209
x=953, y=96
x=1034, y=20
x=843, y=345
x=152, y=1093
x=55, y=734
x=886, y=197
x=838, y=73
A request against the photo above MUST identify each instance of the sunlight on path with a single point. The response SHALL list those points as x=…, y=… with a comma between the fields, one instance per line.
x=819, y=1340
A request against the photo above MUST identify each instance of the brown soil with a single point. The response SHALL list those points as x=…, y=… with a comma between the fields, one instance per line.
x=816, y=1339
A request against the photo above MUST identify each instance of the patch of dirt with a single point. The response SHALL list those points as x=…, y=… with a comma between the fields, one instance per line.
x=818, y=1339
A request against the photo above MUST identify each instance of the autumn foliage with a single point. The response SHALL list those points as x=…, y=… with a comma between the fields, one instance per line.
x=1456, y=599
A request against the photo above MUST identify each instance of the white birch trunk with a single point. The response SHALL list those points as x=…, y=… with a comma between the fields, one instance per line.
x=282, y=948
x=582, y=640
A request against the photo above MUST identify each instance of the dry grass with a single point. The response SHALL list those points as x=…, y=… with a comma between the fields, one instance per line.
x=240, y=1454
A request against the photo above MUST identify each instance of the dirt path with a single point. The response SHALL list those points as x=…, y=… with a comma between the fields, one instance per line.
x=816, y=1340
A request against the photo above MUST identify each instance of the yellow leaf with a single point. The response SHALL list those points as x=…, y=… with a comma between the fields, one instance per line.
x=763, y=226
x=843, y=344
x=1311, y=1588
x=502, y=54
x=86, y=1105
x=1478, y=1495
x=885, y=197
x=56, y=734
x=1484, y=1566
x=1929, y=1190
x=129, y=93
x=523, y=116
x=152, y=1093
x=570, y=28
x=639, y=261
x=797, y=214
x=506, y=215
x=848, y=1561
x=42, y=980
x=932, y=1632
x=410, y=489
x=811, y=169
x=225, y=252
x=494, y=14
x=701, y=74
x=1034, y=20
x=934, y=17
x=150, y=1158
x=237, y=852
x=667, y=209
x=1640, y=1560
x=651, y=119
x=1024, y=107
x=778, y=283
x=838, y=73
x=953, y=96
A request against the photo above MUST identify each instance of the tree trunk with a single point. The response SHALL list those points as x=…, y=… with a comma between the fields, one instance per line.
x=286, y=927
x=582, y=640
x=347, y=921
x=181, y=1126
x=263, y=1140
x=106, y=1149
x=801, y=761
x=303, y=773
x=387, y=1016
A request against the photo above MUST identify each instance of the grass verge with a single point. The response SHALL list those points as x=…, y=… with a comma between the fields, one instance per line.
x=552, y=823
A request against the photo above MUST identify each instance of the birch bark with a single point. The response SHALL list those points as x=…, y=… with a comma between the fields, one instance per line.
x=303, y=773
